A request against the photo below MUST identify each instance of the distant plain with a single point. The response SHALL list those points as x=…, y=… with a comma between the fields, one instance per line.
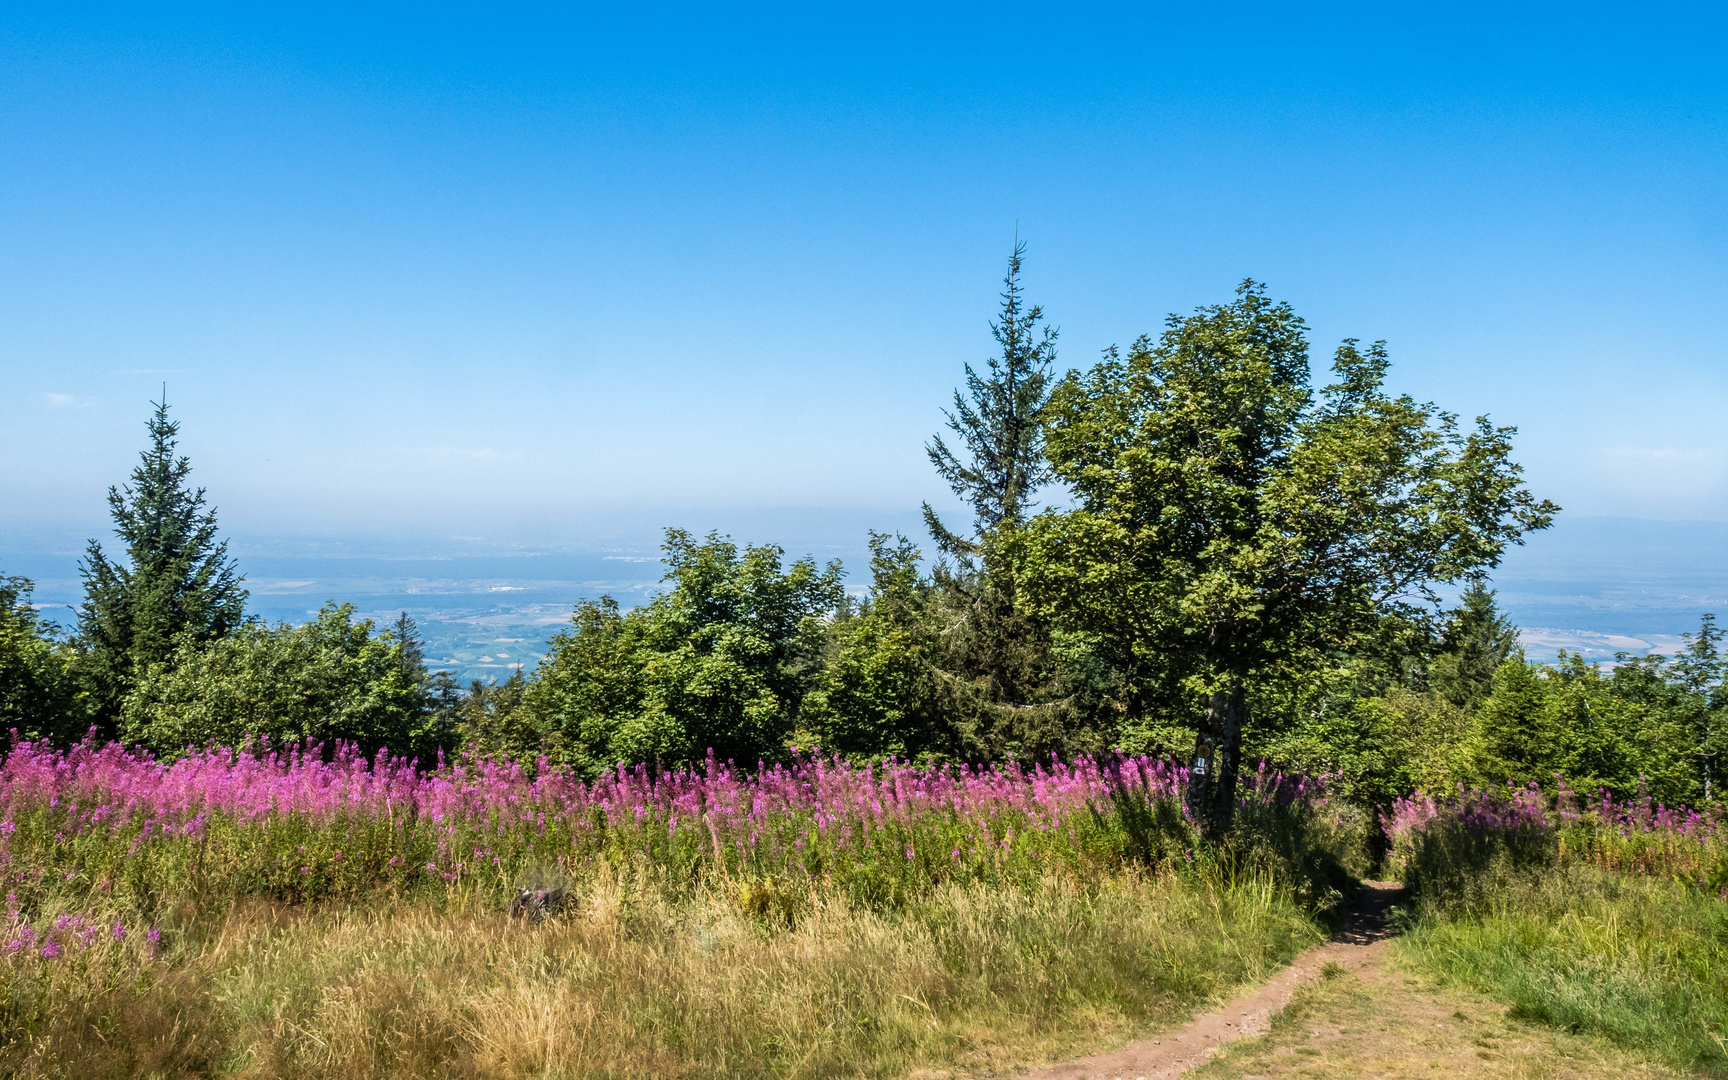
x=1594, y=586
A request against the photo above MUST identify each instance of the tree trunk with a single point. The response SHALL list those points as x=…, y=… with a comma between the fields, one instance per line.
x=1217, y=754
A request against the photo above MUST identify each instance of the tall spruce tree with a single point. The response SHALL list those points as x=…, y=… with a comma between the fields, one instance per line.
x=407, y=634
x=1001, y=691
x=1000, y=463
x=176, y=582
x=1477, y=639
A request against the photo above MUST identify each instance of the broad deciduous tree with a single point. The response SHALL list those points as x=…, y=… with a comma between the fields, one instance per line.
x=1230, y=522
x=38, y=695
x=722, y=660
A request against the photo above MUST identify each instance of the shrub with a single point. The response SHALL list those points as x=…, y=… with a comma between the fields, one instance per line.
x=327, y=680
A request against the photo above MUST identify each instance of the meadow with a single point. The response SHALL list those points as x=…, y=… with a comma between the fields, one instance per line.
x=298, y=912
x=288, y=913
x=1596, y=916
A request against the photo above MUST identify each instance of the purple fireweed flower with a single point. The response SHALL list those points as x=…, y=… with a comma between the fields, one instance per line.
x=51, y=950
x=800, y=811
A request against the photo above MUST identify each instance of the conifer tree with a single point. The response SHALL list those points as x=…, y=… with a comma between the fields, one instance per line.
x=1698, y=678
x=1478, y=638
x=407, y=635
x=176, y=581
x=1002, y=692
x=1000, y=463
x=1514, y=735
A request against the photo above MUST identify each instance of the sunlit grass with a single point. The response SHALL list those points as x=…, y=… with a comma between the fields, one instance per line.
x=1639, y=960
x=292, y=916
x=630, y=979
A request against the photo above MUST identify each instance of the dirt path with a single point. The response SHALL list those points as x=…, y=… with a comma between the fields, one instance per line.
x=1388, y=1021
x=1168, y=1056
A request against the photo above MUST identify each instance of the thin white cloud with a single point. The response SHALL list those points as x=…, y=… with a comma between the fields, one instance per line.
x=66, y=401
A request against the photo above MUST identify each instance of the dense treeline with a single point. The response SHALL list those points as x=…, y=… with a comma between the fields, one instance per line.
x=1242, y=568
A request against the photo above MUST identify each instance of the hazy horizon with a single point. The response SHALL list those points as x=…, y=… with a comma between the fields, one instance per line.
x=1595, y=586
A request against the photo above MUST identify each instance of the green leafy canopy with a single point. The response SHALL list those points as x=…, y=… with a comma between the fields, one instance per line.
x=1230, y=523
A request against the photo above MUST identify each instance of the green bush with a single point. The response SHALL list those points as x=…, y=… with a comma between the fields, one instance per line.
x=721, y=661
x=39, y=696
x=326, y=680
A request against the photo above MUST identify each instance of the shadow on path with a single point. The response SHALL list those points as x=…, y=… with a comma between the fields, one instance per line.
x=1366, y=921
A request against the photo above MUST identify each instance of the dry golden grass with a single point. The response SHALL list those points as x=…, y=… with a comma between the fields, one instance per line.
x=630, y=981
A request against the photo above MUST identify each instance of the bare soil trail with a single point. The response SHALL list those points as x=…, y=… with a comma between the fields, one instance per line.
x=1359, y=943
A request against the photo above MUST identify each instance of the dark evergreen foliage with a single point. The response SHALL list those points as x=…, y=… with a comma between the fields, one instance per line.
x=413, y=648
x=175, y=583
x=1477, y=640
x=1000, y=463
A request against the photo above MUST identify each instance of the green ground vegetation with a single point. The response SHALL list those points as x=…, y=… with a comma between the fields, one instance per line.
x=1636, y=960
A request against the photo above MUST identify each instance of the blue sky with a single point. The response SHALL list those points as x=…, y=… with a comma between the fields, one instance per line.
x=576, y=272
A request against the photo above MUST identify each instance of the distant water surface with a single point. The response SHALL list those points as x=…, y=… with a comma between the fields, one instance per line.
x=1604, y=585
x=482, y=613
